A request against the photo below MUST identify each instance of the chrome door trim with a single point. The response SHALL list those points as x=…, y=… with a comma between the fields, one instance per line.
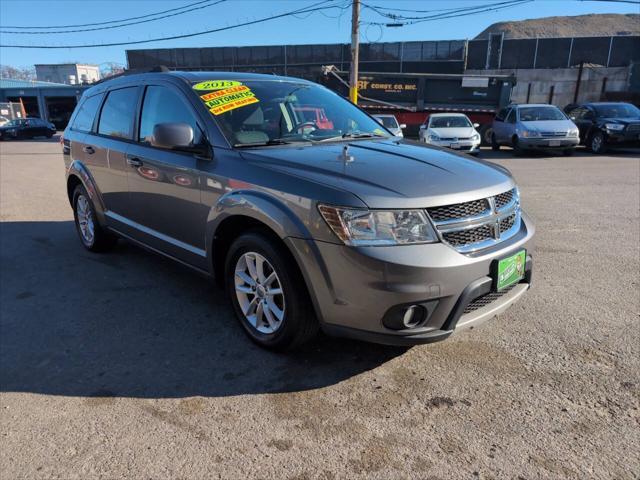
x=156, y=234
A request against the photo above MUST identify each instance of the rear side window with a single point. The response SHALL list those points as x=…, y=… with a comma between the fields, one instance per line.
x=511, y=118
x=116, y=118
x=162, y=105
x=501, y=114
x=87, y=113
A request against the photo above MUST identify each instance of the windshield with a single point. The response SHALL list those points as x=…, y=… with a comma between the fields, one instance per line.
x=259, y=112
x=532, y=114
x=388, y=122
x=450, y=122
x=620, y=110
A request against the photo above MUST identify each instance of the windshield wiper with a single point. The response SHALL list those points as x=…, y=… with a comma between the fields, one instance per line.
x=275, y=141
x=347, y=135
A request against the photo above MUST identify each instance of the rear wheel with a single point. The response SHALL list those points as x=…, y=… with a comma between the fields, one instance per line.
x=93, y=237
x=268, y=293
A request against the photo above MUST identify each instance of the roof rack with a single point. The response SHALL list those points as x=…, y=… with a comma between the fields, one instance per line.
x=134, y=71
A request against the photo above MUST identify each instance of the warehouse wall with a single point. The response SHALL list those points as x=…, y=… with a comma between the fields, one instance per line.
x=539, y=82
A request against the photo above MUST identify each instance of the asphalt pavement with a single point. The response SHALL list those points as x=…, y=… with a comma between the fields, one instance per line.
x=125, y=365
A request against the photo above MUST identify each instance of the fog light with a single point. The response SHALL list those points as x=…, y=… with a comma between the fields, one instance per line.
x=413, y=316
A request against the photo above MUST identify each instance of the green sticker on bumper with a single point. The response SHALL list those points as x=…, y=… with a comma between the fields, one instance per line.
x=510, y=270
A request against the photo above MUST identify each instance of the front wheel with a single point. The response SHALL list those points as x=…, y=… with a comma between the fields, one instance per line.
x=596, y=144
x=268, y=293
x=495, y=146
x=517, y=149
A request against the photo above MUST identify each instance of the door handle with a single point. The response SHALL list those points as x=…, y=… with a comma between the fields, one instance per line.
x=134, y=161
x=88, y=149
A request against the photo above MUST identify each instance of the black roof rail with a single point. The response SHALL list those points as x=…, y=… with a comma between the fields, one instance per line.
x=134, y=71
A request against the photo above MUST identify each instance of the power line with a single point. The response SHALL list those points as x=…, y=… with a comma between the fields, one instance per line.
x=460, y=13
x=110, y=21
x=117, y=26
x=312, y=8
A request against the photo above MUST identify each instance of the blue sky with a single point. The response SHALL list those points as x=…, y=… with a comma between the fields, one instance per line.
x=319, y=27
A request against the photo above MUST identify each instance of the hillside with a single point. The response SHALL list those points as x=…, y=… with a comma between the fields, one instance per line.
x=594, y=25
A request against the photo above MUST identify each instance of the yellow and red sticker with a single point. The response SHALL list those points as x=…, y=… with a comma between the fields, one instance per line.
x=227, y=95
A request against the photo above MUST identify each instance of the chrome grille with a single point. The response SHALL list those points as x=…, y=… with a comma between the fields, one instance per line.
x=478, y=224
x=471, y=235
x=459, y=210
x=486, y=299
x=554, y=134
x=503, y=199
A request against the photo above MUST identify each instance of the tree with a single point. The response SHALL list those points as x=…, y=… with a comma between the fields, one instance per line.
x=110, y=69
x=17, y=73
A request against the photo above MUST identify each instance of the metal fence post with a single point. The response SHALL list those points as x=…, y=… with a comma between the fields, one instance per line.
x=535, y=54
x=570, y=50
x=609, y=54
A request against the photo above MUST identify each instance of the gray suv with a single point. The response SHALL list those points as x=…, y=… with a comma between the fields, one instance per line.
x=333, y=225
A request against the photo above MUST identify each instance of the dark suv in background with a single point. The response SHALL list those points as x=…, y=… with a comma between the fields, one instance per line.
x=334, y=224
x=605, y=125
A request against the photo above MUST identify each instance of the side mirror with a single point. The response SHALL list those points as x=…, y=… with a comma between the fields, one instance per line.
x=572, y=117
x=476, y=125
x=172, y=135
x=423, y=126
x=403, y=125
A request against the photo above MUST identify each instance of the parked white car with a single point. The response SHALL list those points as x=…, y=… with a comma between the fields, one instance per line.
x=390, y=123
x=451, y=130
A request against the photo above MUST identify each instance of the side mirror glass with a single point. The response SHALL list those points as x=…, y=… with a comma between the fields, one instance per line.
x=423, y=126
x=476, y=125
x=403, y=125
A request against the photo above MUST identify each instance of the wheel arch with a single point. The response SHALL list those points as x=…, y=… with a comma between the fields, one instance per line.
x=78, y=174
x=241, y=211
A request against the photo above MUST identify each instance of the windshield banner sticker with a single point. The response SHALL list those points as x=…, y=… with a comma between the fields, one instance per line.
x=227, y=99
x=215, y=84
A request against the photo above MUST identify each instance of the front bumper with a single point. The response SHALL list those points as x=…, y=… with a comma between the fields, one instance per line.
x=623, y=139
x=548, y=143
x=466, y=146
x=354, y=288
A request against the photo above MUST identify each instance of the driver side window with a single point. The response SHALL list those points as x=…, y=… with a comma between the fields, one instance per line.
x=511, y=118
x=161, y=105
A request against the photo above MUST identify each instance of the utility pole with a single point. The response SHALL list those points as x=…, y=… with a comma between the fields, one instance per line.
x=355, y=47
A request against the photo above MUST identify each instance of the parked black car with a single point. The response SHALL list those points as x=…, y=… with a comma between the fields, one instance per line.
x=603, y=125
x=27, y=128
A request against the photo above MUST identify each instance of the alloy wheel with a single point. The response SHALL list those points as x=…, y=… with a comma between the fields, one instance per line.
x=259, y=292
x=85, y=220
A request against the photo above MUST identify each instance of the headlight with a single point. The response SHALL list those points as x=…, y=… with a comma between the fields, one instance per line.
x=614, y=126
x=530, y=133
x=434, y=138
x=475, y=137
x=574, y=132
x=361, y=227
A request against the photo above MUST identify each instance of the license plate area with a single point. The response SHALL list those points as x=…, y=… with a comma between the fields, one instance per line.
x=508, y=271
x=554, y=143
x=455, y=145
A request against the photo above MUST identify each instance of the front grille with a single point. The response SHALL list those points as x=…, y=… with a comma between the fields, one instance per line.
x=478, y=224
x=503, y=199
x=634, y=127
x=459, y=210
x=554, y=134
x=471, y=235
x=486, y=299
x=507, y=223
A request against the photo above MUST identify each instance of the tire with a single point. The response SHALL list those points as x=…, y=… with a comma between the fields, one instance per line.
x=568, y=152
x=596, y=143
x=486, y=134
x=276, y=322
x=49, y=135
x=517, y=149
x=495, y=146
x=92, y=236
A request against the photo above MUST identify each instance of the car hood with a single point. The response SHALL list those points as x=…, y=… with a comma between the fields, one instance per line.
x=453, y=132
x=624, y=120
x=388, y=173
x=548, y=125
